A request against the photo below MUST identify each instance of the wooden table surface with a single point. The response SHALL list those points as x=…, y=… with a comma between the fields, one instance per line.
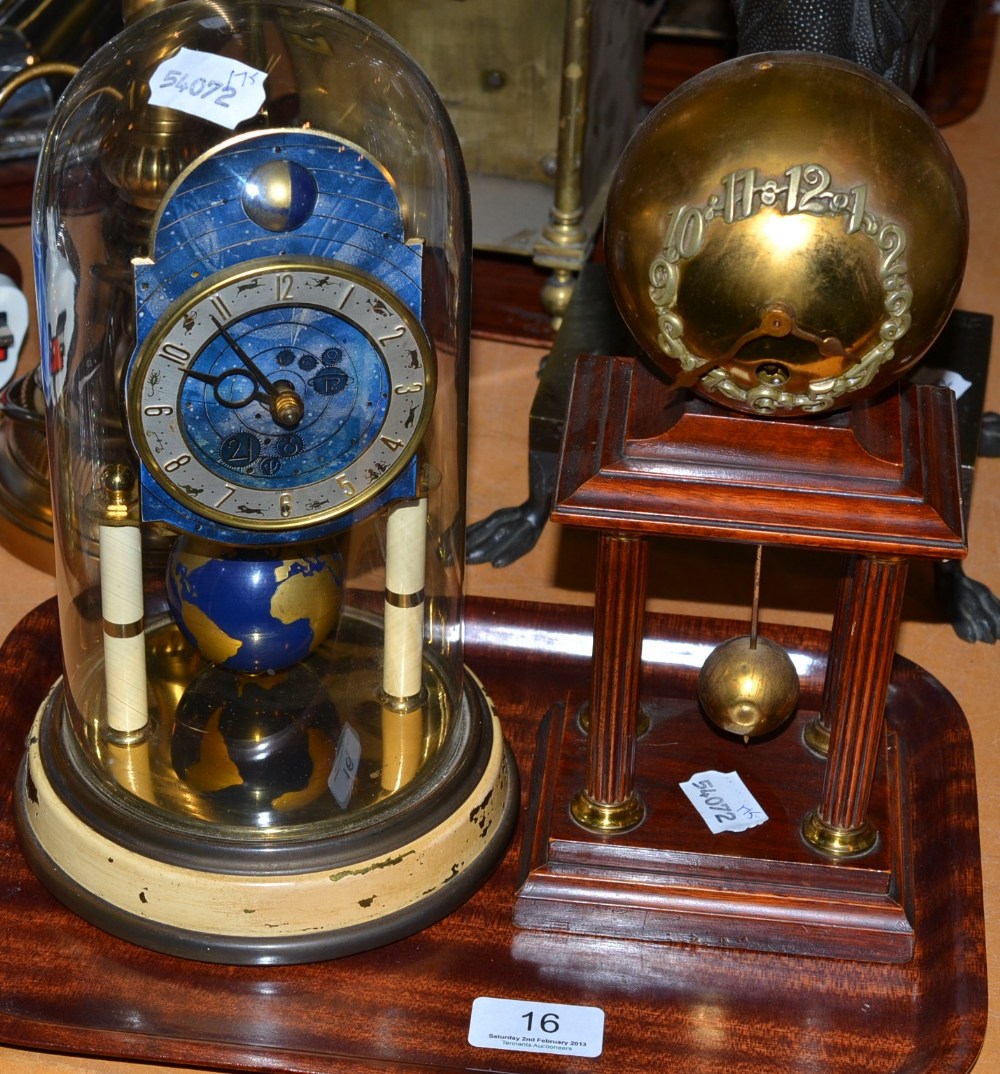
x=797, y=589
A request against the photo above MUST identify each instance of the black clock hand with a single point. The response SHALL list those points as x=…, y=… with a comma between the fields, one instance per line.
x=245, y=358
x=284, y=401
x=231, y=401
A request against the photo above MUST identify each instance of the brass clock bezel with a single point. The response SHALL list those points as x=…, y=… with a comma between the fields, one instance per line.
x=413, y=339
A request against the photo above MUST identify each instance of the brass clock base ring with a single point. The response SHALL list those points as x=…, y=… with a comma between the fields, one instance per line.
x=836, y=841
x=248, y=916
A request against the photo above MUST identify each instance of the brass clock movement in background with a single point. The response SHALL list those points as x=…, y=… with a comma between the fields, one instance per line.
x=543, y=98
x=253, y=259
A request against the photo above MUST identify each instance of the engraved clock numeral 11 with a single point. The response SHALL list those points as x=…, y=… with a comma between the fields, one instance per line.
x=220, y=307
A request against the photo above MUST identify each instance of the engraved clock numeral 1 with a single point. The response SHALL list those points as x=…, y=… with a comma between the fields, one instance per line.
x=220, y=307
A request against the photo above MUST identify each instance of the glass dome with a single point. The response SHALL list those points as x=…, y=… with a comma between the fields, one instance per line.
x=252, y=258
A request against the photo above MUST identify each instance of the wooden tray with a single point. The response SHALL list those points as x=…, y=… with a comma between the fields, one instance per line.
x=66, y=986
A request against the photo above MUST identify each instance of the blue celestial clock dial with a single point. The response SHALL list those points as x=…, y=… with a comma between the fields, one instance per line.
x=281, y=394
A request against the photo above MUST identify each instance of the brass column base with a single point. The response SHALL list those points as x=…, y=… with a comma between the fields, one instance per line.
x=836, y=841
x=817, y=737
x=607, y=817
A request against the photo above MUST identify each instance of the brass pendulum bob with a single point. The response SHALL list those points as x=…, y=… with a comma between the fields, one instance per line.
x=748, y=685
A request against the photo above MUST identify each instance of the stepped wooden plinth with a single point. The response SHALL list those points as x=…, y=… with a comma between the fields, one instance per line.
x=68, y=987
x=831, y=872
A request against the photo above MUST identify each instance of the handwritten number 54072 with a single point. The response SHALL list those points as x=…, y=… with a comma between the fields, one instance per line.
x=199, y=87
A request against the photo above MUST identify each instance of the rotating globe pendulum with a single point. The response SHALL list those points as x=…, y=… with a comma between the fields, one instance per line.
x=748, y=685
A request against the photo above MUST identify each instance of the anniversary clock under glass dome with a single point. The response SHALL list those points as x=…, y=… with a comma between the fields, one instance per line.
x=251, y=232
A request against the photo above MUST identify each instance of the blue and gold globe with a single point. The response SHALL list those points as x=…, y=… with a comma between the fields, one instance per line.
x=254, y=609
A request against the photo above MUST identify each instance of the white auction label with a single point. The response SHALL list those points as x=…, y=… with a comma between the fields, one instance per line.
x=723, y=801
x=345, y=766
x=516, y=1025
x=211, y=87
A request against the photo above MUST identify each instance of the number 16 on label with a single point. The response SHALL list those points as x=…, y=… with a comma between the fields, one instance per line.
x=524, y=1026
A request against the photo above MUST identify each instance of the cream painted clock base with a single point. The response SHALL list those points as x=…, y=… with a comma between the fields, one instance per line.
x=265, y=911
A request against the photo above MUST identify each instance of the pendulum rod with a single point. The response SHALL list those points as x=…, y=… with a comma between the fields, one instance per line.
x=755, y=608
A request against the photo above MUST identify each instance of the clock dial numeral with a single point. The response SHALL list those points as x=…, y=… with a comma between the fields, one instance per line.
x=407, y=389
x=397, y=333
x=174, y=352
x=220, y=307
x=283, y=284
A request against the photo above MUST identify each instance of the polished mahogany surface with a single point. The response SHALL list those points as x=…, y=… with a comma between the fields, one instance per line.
x=67, y=986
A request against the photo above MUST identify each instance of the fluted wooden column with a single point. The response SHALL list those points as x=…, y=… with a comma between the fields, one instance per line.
x=858, y=672
x=609, y=801
x=817, y=733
